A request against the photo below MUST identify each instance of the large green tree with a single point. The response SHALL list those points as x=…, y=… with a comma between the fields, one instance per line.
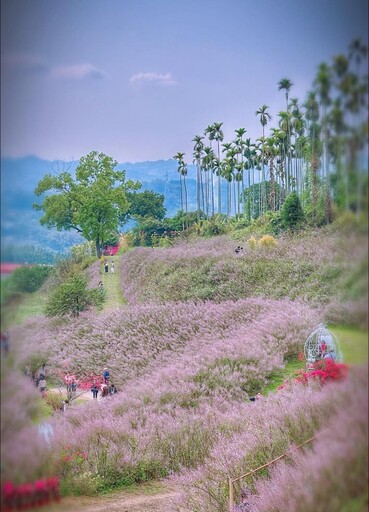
x=146, y=204
x=91, y=203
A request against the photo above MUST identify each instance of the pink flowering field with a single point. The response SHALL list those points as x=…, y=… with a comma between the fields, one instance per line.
x=324, y=267
x=195, y=341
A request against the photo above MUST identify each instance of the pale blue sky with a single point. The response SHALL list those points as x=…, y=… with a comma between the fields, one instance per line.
x=137, y=79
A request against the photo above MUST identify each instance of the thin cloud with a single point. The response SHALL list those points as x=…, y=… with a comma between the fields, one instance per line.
x=34, y=64
x=164, y=79
x=77, y=72
x=25, y=62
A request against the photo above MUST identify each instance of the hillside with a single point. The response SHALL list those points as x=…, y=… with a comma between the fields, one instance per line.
x=203, y=330
x=324, y=267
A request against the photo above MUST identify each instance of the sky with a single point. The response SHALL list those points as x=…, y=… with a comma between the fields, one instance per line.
x=137, y=79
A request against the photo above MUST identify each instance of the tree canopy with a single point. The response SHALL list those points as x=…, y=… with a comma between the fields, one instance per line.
x=92, y=203
x=146, y=204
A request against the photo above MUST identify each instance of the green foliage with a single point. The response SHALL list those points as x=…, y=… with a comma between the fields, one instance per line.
x=55, y=400
x=147, y=231
x=82, y=252
x=92, y=203
x=28, y=279
x=145, y=204
x=270, y=223
x=291, y=213
x=72, y=297
x=253, y=196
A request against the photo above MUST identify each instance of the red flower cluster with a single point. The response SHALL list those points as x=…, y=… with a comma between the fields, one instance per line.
x=25, y=496
x=90, y=380
x=325, y=370
x=74, y=456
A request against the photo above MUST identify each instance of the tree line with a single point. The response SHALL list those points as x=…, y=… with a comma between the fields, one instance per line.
x=316, y=150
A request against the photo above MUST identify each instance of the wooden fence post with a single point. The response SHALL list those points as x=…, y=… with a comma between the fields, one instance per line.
x=230, y=484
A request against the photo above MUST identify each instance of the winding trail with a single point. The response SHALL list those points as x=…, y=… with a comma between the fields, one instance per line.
x=148, y=497
x=153, y=497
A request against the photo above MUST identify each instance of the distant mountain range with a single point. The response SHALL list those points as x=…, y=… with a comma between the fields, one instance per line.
x=19, y=177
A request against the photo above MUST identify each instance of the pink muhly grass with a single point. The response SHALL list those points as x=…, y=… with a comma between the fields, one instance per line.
x=333, y=473
x=277, y=421
x=22, y=451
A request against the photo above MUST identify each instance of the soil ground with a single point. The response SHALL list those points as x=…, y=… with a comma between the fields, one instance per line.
x=153, y=497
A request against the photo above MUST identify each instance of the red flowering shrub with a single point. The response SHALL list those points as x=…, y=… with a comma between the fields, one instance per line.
x=70, y=461
x=24, y=496
x=325, y=370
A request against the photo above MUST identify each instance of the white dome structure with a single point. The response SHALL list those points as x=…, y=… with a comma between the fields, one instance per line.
x=322, y=344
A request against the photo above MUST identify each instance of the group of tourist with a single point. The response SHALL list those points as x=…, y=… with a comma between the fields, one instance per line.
x=325, y=352
x=38, y=378
x=106, y=267
x=106, y=388
x=71, y=383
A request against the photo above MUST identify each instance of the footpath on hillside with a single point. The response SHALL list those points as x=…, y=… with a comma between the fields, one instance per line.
x=151, y=497
x=111, y=282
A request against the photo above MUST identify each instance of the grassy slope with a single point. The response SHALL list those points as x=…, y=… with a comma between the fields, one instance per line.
x=313, y=266
x=354, y=343
x=33, y=304
x=28, y=305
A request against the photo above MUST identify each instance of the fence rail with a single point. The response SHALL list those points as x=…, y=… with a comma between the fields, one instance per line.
x=231, y=481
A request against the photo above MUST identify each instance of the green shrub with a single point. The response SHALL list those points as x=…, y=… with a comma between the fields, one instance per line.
x=72, y=297
x=292, y=214
x=55, y=400
x=29, y=279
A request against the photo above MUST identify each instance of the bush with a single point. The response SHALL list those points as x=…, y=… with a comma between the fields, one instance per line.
x=72, y=297
x=292, y=214
x=55, y=400
x=253, y=243
x=29, y=279
x=267, y=242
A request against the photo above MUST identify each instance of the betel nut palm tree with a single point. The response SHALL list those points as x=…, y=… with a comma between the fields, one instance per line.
x=182, y=170
x=218, y=136
x=286, y=84
x=198, y=149
x=264, y=117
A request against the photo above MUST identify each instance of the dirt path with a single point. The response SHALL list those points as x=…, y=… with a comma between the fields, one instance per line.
x=111, y=282
x=153, y=497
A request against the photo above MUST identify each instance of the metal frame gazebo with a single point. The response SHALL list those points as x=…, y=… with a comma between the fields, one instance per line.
x=313, y=345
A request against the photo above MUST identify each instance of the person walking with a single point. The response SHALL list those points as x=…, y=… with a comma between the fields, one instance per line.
x=104, y=390
x=42, y=385
x=112, y=268
x=68, y=382
x=94, y=390
x=42, y=370
x=106, y=376
x=112, y=390
x=106, y=266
